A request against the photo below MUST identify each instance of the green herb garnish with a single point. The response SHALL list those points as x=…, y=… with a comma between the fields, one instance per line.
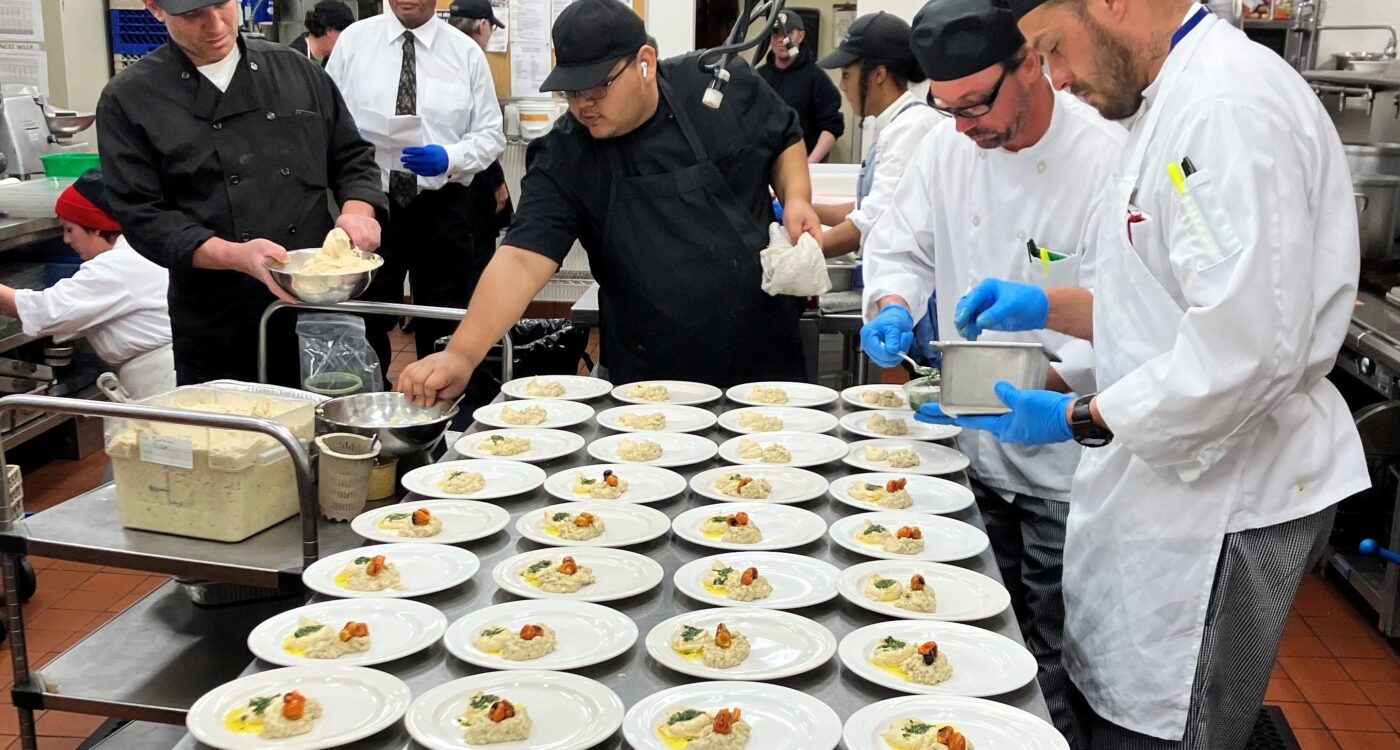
x=306, y=630
x=537, y=567
x=363, y=560
x=396, y=516
x=586, y=482
x=917, y=729
x=874, y=528
x=489, y=632
x=718, y=519
x=873, y=488
x=685, y=715
x=559, y=517
x=689, y=633
x=483, y=702
x=891, y=644
x=735, y=477
x=722, y=575
x=884, y=583
x=260, y=704
x=497, y=439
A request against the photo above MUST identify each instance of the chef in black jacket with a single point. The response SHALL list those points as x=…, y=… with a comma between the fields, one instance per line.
x=218, y=153
x=804, y=86
x=669, y=198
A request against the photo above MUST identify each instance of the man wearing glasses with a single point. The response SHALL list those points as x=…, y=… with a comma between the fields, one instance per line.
x=1015, y=166
x=670, y=199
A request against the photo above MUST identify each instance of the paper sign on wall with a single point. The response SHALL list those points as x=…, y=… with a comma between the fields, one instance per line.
x=500, y=39
x=529, y=64
x=21, y=21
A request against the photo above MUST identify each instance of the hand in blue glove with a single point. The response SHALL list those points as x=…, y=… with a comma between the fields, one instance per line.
x=425, y=161
x=888, y=336
x=1036, y=417
x=996, y=305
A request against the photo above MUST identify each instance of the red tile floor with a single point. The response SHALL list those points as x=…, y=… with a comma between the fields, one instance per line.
x=1337, y=679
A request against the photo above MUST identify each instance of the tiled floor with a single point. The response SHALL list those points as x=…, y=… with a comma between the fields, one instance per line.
x=1337, y=679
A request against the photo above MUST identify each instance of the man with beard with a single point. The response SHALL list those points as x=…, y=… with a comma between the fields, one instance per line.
x=1014, y=163
x=1224, y=448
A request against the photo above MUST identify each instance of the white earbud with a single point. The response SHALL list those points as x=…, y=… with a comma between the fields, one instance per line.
x=644, y=71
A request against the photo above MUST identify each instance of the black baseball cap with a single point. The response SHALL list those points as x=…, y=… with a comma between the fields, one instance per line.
x=954, y=39
x=878, y=38
x=1020, y=8
x=589, y=38
x=181, y=7
x=789, y=21
x=478, y=9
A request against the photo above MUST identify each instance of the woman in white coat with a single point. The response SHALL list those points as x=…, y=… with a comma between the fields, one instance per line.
x=1224, y=447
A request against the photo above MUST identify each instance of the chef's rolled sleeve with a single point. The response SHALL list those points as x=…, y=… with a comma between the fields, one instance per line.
x=898, y=252
x=353, y=173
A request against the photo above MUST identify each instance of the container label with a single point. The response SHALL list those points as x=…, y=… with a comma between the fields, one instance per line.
x=167, y=451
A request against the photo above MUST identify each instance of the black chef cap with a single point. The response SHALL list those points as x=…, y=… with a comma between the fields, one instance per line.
x=789, y=21
x=90, y=185
x=1020, y=8
x=880, y=39
x=955, y=38
x=590, y=36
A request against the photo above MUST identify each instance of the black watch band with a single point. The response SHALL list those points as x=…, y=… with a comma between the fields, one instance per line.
x=1081, y=423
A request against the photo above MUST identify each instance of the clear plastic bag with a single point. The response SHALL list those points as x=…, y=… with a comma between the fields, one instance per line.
x=336, y=358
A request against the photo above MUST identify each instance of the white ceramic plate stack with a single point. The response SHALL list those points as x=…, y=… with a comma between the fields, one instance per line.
x=781, y=644
x=984, y=663
x=576, y=387
x=620, y=573
x=930, y=494
x=945, y=539
x=961, y=594
x=797, y=580
x=587, y=634
x=807, y=449
x=568, y=712
x=856, y=421
x=781, y=718
x=678, y=418
x=646, y=484
x=789, y=485
x=558, y=413
x=624, y=524
x=503, y=478
x=782, y=526
x=423, y=569
x=682, y=393
x=677, y=448
x=462, y=521
x=795, y=419
x=987, y=724
x=853, y=395
x=545, y=445
x=397, y=628
x=799, y=394
x=933, y=459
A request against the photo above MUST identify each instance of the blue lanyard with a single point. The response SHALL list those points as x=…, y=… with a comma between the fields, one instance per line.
x=1190, y=24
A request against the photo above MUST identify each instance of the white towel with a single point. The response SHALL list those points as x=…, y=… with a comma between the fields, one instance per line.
x=798, y=270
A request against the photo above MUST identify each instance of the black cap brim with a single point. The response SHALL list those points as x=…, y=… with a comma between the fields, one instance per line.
x=838, y=59
x=578, y=77
x=495, y=22
x=181, y=7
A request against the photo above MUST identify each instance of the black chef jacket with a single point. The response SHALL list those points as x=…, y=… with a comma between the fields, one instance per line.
x=807, y=89
x=184, y=162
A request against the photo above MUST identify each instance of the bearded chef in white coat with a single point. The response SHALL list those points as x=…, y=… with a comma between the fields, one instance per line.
x=1224, y=447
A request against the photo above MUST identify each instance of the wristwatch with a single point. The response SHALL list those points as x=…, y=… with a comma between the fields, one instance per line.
x=1081, y=423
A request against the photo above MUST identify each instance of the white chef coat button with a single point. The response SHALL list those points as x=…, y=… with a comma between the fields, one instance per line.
x=218, y=126
x=185, y=75
x=253, y=65
x=292, y=229
x=234, y=180
x=272, y=115
x=1021, y=236
x=1040, y=167
x=976, y=220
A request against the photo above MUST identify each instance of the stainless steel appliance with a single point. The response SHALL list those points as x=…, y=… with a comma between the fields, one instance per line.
x=30, y=129
x=1378, y=200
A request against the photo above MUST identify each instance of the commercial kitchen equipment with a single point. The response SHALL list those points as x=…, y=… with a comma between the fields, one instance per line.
x=30, y=128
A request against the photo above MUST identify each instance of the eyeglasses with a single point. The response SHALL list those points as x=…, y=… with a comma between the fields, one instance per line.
x=972, y=111
x=600, y=91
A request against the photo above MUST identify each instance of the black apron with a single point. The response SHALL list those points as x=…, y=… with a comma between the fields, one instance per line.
x=679, y=294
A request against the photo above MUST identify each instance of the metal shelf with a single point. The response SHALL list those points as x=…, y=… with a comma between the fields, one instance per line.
x=141, y=735
x=1273, y=25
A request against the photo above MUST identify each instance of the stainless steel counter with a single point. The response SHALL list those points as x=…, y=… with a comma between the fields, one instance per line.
x=17, y=232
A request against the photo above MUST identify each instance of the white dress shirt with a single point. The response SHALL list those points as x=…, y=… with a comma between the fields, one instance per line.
x=456, y=94
x=898, y=136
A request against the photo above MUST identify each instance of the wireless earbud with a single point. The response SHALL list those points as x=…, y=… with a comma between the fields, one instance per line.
x=644, y=71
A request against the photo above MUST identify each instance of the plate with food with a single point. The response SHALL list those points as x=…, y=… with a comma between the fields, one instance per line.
x=518, y=709
x=731, y=716
x=307, y=707
x=436, y=521
x=937, y=658
x=391, y=571
x=757, y=420
x=875, y=396
x=585, y=574
x=776, y=485
x=800, y=449
x=913, y=590
x=559, y=387
x=543, y=413
x=349, y=632
x=653, y=449
x=531, y=445
x=474, y=479
x=773, y=393
x=895, y=423
x=771, y=580
x=908, y=536
x=678, y=392
x=624, y=483
x=593, y=524
x=541, y=634
x=908, y=456
x=749, y=525
x=908, y=722
x=656, y=418
x=894, y=491
x=740, y=643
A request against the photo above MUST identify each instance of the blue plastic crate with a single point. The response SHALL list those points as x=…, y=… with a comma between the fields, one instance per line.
x=136, y=32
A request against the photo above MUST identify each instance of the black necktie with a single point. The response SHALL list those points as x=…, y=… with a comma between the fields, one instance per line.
x=403, y=186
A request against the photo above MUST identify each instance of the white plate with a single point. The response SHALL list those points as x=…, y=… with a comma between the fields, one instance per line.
x=798, y=581
x=423, y=569
x=930, y=494
x=799, y=394
x=852, y=395
x=587, y=634
x=357, y=702
x=781, y=644
x=683, y=393
x=795, y=419
x=397, y=628
x=568, y=712
x=962, y=595
x=782, y=526
x=545, y=445
x=807, y=449
x=646, y=484
x=677, y=448
x=855, y=423
x=933, y=459
x=576, y=387
x=462, y=521
x=781, y=718
x=789, y=485
x=503, y=478
x=624, y=524
x=945, y=539
x=620, y=573
x=987, y=724
x=984, y=663
x=678, y=418
x=557, y=413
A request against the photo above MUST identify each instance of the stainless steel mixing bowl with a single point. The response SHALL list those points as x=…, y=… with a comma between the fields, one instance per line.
x=321, y=289
x=402, y=427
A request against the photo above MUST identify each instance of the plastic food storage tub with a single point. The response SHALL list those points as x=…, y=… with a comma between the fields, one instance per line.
x=223, y=485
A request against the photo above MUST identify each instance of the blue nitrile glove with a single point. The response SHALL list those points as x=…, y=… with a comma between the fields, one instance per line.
x=888, y=335
x=1036, y=417
x=778, y=211
x=996, y=305
x=425, y=161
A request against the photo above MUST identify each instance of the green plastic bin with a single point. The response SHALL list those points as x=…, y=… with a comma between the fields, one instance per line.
x=69, y=165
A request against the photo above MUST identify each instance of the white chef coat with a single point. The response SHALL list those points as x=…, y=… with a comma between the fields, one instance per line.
x=456, y=94
x=897, y=134
x=963, y=214
x=1212, y=366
